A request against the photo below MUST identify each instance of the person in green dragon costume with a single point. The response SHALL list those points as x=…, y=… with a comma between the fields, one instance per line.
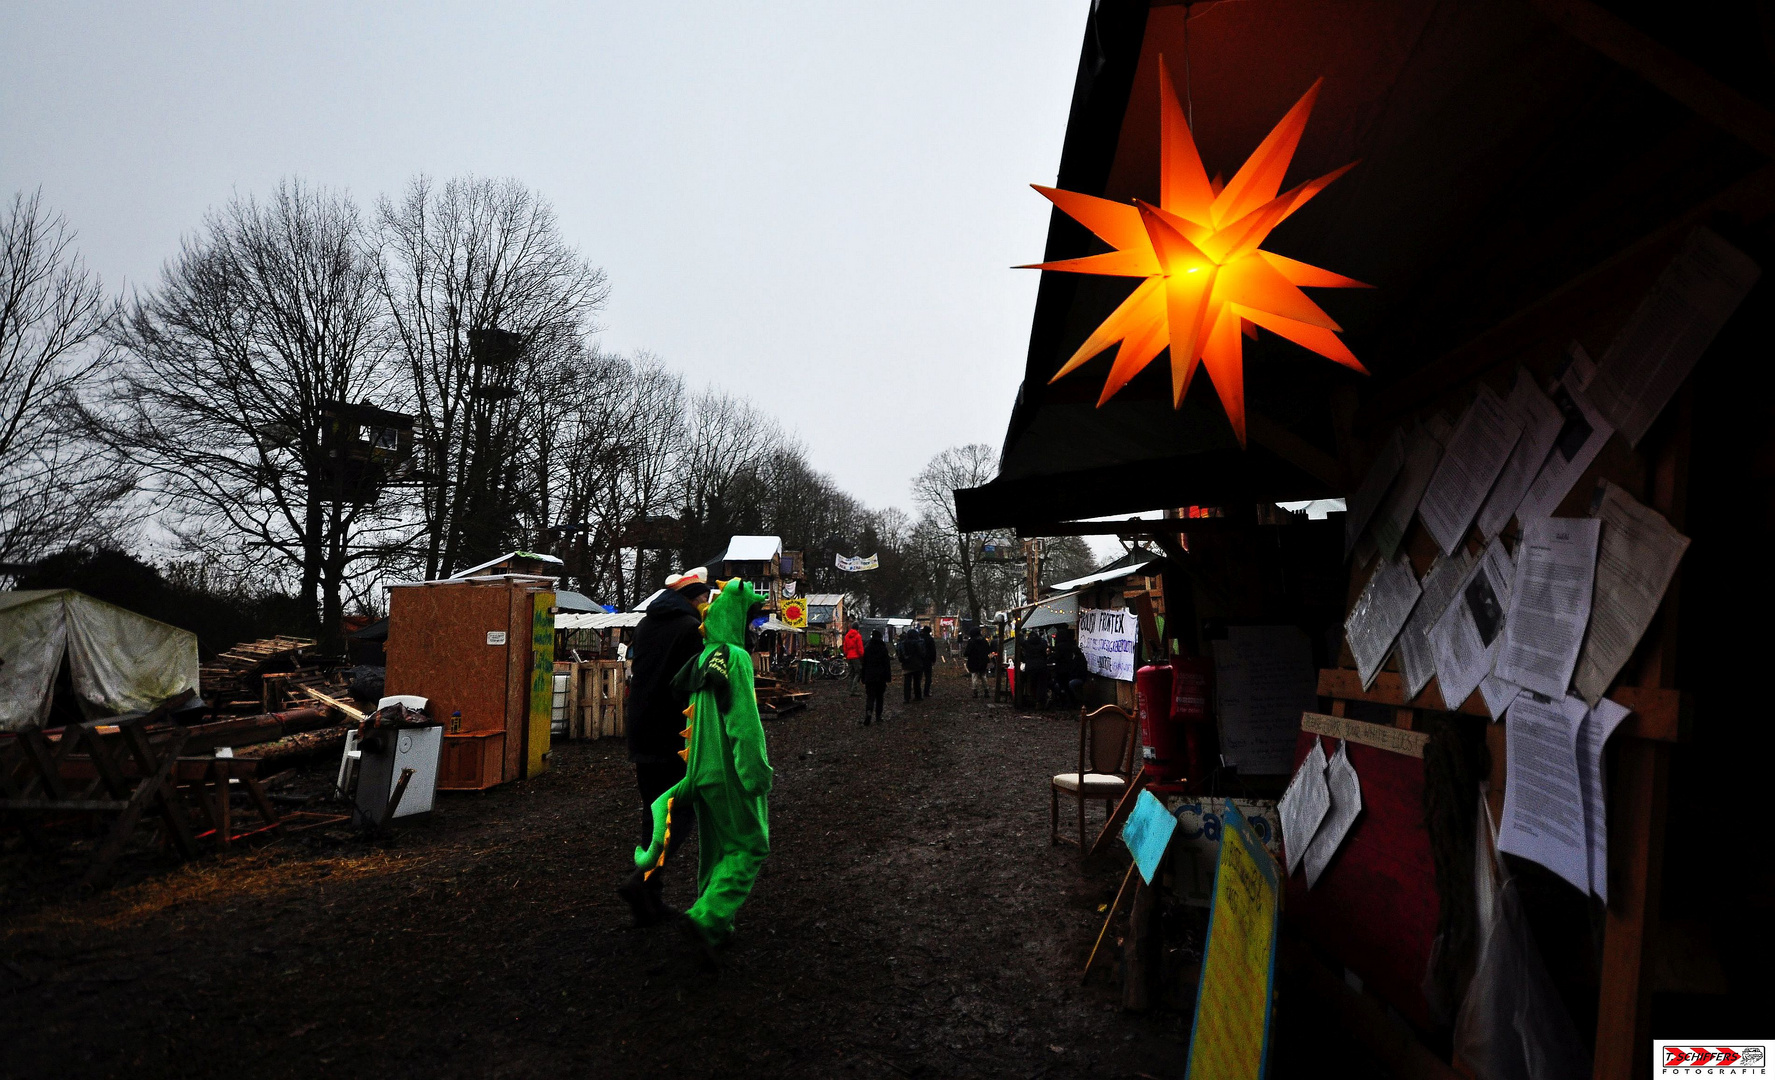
x=727, y=773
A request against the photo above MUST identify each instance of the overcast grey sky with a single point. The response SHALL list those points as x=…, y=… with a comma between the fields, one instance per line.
x=815, y=205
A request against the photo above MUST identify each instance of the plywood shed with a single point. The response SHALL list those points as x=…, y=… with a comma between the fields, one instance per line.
x=483, y=652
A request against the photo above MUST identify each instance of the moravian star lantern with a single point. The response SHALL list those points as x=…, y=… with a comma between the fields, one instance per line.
x=1205, y=281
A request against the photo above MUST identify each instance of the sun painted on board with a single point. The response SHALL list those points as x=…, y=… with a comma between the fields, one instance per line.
x=1207, y=281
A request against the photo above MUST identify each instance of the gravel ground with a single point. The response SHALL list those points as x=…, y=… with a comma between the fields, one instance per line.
x=912, y=921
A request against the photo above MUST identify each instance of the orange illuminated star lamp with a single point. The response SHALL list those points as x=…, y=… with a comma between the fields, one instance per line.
x=1206, y=279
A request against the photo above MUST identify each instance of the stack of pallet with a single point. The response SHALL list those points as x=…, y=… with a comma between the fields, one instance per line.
x=775, y=698
x=234, y=681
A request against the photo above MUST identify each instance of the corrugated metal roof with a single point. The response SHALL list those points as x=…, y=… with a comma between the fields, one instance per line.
x=825, y=599
x=1101, y=576
x=602, y=620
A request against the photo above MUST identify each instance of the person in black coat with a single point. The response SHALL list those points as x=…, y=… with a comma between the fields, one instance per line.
x=668, y=637
x=978, y=655
x=877, y=671
x=1032, y=662
x=911, y=653
x=930, y=656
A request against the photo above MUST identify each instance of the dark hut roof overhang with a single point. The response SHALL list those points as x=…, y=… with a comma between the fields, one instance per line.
x=1508, y=151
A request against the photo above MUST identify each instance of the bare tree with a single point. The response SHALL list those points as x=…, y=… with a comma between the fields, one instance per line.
x=933, y=492
x=267, y=314
x=53, y=313
x=484, y=294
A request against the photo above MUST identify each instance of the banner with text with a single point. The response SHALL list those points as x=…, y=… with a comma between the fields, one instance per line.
x=846, y=562
x=1106, y=636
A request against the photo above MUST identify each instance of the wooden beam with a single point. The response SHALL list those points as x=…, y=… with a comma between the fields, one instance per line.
x=1750, y=199
x=1295, y=450
x=1659, y=714
x=1664, y=68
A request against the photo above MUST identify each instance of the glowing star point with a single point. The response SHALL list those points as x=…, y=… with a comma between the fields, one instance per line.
x=1206, y=280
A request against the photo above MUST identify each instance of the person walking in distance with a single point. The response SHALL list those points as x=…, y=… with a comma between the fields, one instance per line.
x=853, y=658
x=930, y=656
x=911, y=654
x=876, y=670
x=1033, y=664
x=668, y=637
x=977, y=654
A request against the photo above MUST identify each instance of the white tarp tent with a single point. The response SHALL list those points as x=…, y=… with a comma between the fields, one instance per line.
x=121, y=662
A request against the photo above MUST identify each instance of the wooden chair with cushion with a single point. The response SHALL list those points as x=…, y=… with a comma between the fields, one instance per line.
x=1106, y=767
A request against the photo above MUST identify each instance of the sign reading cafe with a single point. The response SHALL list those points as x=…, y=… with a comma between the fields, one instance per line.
x=1106, y=636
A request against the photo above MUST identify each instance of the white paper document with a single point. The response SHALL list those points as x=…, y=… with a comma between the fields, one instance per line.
x=1417, y=660
x=1264, y=680
x=1543, y=794
x=1346, y=805
x=1581, y=436
x=1541, y=423
x=1422, y=451
x=1668, y=332
x=1549, y=604
x=1497, y=695
x=1363, y=502
x=1380, y=613
x=1482, y=443
x=1635, y=560
x=1304, y=805
x=1593, y=735
x=1466, y=637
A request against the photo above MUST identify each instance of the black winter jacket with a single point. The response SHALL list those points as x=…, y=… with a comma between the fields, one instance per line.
x=978, y=651
x=878, y=668
x=666, y=639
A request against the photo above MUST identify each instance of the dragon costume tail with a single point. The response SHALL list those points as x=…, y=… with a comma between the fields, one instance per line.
x=653, y=856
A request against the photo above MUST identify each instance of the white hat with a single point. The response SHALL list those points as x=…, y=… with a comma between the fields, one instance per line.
x=698, y=576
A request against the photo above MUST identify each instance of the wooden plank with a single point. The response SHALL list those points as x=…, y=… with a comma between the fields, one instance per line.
x=1659, y=714
x=350, y=712
x=70, y=805
x=1666, y=69
x=1389, y=689
x=1636, y=864
x=1379, y=736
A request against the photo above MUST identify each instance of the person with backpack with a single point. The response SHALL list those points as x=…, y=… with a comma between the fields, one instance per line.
x=875, y=670
x=910, y=650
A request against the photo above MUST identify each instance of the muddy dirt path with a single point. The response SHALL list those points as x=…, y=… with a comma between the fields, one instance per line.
x=912, y=921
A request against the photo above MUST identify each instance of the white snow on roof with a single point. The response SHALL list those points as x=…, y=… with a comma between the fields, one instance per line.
x=753, y=548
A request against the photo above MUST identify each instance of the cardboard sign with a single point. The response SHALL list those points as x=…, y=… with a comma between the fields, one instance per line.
x=1230, y=1039
x=1147, y=833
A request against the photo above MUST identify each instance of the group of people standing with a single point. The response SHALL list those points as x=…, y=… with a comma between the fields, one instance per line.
x=1056, y=673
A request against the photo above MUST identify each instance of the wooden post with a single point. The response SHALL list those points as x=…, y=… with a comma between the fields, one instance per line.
x=1137, y=948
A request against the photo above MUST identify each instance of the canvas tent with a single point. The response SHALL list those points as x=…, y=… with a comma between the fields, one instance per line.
x=120, y=662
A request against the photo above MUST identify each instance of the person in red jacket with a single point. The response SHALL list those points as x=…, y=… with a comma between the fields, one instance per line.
x=853, y=658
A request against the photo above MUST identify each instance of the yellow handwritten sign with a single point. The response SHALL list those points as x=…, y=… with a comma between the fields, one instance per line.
x=1231, y=1036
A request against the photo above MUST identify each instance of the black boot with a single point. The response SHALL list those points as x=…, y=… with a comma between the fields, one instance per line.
x=639, y=893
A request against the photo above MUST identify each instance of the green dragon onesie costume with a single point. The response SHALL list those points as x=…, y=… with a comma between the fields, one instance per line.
x=727, y=774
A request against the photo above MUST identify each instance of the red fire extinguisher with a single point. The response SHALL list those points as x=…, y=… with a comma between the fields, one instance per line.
x=1152, y=698
x=1192, y=681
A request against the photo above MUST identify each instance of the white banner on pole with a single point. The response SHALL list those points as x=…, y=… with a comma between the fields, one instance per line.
x=852, y=565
